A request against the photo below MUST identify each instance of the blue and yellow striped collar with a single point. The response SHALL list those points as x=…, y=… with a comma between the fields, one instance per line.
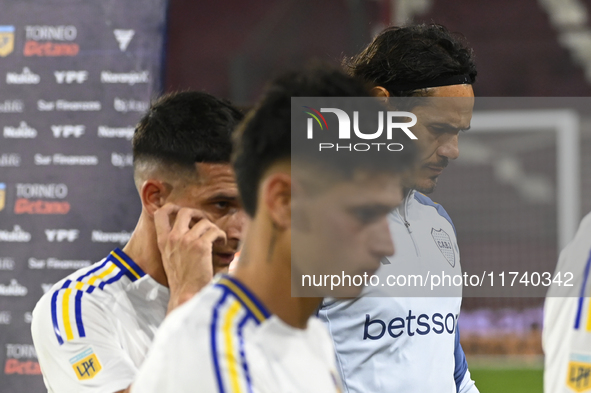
x=247, y=298
x=126, y=264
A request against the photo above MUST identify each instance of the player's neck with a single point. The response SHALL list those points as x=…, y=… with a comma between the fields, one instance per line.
x=142, y=248
x=268, y=276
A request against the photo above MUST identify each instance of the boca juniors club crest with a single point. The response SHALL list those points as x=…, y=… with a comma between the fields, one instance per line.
x=443, y=242
x=6, y=40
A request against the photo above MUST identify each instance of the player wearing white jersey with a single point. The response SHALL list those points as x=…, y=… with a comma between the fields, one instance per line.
x=101, y=317
x=93, y=329
x=566, y=337
x=400, y=341
x=226, y=340
x=246, y=333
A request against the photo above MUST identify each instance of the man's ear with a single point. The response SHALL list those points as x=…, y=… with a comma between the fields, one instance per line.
x=154, y=194
x=276, y=195
x=380, y=92
x=299, y=218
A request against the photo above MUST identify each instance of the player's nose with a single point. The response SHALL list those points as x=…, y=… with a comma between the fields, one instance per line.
x=382, y=244
x=449, y=147
x=236, y=224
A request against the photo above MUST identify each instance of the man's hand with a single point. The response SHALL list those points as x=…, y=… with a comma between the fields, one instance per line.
x=186, y=250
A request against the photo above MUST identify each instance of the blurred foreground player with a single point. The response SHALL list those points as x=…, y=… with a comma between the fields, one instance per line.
x=566, y=337
x=404, y=342
x=245, y=332
x=93, y=329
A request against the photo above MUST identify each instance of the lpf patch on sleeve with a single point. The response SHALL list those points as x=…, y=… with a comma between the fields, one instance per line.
x=86, y=365
x=579, y=376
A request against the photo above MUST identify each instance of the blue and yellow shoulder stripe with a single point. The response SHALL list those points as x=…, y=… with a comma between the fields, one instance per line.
x=425, y=200
x=64, y=316
x=236, y=307
x=584, y=295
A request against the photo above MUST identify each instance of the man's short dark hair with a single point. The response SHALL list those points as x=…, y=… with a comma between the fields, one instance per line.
x=412, y=54
x=264, y=138
x=184, y=128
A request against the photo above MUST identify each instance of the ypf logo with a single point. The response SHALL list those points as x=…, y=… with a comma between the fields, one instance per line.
x=345, y=126
x=6, y=40
x=70, y=77
x=60, y=235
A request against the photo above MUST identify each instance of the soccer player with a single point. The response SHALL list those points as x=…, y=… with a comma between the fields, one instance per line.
x=411, y=343
x=93, y=329
x=245, y=332
x=566, y=336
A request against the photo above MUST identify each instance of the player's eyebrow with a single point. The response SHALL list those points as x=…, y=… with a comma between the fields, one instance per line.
x=449, y=127
x=223, y=196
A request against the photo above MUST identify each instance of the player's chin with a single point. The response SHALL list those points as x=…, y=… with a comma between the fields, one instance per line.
x=426, y=185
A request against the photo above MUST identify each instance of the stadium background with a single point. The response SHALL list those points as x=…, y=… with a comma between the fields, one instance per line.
x=501, y=193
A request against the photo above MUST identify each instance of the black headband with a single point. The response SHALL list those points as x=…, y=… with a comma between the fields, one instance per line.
x=437, y=82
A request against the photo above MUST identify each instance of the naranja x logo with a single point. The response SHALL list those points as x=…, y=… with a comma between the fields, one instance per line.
x=345, y=127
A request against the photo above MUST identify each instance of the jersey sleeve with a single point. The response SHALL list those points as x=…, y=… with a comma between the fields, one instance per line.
x=464, y=383
x=74, y=336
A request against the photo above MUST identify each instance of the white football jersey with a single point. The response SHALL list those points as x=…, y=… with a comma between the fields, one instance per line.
x=566, y=337
x=392, y=340
x=93, y=329
x=224, y=340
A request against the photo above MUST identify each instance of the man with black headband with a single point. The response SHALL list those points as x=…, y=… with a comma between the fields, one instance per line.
x=396, y=339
